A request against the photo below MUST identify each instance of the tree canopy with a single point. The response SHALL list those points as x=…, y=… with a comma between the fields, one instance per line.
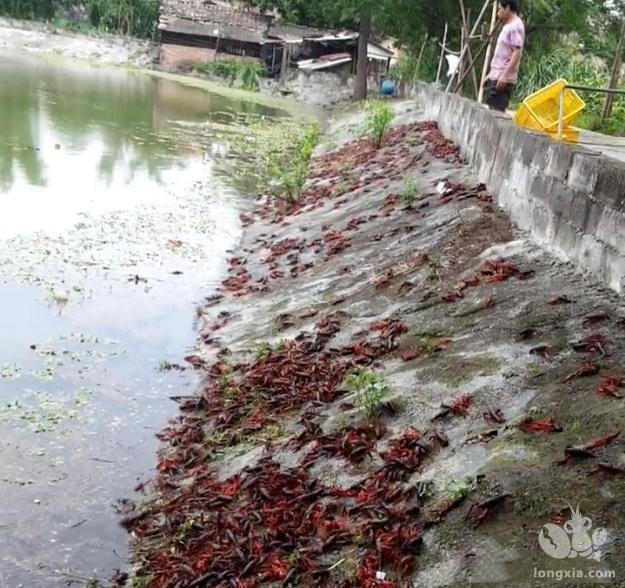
x=126, y=17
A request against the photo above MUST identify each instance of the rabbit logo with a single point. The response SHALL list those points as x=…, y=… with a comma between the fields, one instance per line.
x=573, y=539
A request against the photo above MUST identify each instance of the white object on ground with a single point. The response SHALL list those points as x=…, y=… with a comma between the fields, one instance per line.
x=442, y=188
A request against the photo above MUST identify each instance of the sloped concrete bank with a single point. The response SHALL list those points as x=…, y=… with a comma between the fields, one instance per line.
x=485, y=388
x=569, y=199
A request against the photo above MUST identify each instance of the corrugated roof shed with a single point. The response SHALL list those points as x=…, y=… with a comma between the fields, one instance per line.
x=207, y=11
x=226, y=31
x=234, y=19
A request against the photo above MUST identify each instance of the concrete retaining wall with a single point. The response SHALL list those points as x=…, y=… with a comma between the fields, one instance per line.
x=570, y=200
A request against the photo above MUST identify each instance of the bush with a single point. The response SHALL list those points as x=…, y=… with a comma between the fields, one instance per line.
x=370, y=388
x=378, y=118
x=537, y=72
x=405, y=70
x=288, y=164
x=409, y=192
x=125, y=17
x=247, y=72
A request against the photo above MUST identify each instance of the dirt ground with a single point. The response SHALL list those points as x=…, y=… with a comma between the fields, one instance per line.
x=500, y=370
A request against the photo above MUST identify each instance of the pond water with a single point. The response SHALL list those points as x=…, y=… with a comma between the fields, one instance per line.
x=117, y=208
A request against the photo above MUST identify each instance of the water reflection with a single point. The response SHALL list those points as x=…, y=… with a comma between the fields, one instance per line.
x=110, y=206
x=87, y=133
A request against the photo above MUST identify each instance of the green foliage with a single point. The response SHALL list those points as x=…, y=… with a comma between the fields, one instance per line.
x=370, y=388
x=409, y=192
x=539, y=71
x=288, y=162
x=125, y=17
x=29, y=9
x=250, y=75
x=563, y=62
x=73, y=25
x=457, y=491
x=378, y=117
x=273, y=432
x=164, y=366
x=247, y=72
x=406, y=71
x=184, y=531
x=262, y=350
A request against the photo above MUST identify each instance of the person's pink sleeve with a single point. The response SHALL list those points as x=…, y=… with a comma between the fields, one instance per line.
x=516, y=38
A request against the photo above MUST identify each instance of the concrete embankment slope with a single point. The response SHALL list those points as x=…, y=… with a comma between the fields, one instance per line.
x=568, y=198
x=500, y=368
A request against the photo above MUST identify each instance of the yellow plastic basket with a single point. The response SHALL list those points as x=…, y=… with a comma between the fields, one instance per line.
x=524, y=118
x=542, y=109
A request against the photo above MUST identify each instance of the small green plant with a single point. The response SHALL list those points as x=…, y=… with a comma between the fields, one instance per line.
x=184, y=531
x=262, y=350
x=427, y=341
x=409, y=192
x=370, y=388
x=256, y=398
x=434, y=273
x=230, y=392
x=250, y=75
x=274, y=432
x=288, y=168
x=378, y=117
x=457, y=491
x=164, y=366
x=576, y=426
x=293, y=558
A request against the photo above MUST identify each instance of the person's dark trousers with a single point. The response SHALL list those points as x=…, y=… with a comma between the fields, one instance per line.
x=497, y=99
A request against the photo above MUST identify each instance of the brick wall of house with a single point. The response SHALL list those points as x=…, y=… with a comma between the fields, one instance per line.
x=178, y=55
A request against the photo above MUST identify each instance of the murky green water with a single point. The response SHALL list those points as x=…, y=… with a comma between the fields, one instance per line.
x=117, y=208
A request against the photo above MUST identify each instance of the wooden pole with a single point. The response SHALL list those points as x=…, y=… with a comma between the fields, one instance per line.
x=616, y=73
x=217, y=46
x=460, y=68
x=472, y=64
x=473, y=31
x=467, y=40
x=284, y=70
x=440, y=61
x=418, y=65
x=489, y=50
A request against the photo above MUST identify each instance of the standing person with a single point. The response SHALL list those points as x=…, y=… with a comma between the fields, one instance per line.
x=504, y=67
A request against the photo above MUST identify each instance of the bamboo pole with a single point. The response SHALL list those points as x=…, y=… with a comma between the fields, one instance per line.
x=418, y=65
x=614, y=79
x=472, y=64
x=489, y=50
x=467, y=40
x=440, y=61
x=473, y=31
x=460, y=67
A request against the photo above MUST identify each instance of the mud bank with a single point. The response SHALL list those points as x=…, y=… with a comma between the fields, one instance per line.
x=485, y=388
x=35, y=37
